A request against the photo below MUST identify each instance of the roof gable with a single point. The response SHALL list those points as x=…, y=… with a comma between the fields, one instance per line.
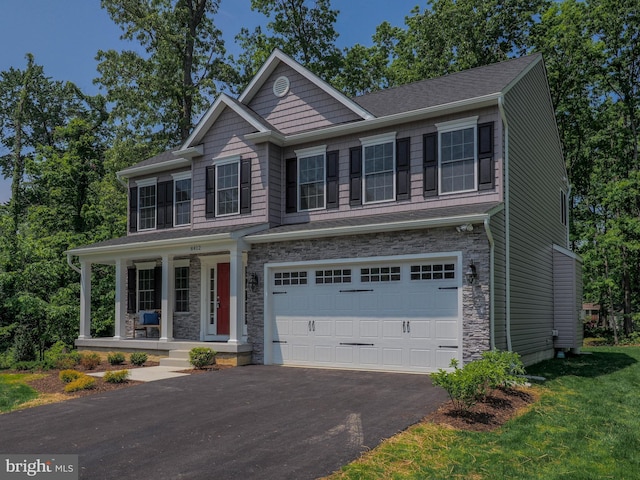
x=276, y=58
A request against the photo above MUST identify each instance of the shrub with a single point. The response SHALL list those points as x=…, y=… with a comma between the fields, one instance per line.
x=24, y=345
x=138, y=358
x=115, y=358
x=200, y=357
x=90, y=360
x=84, y=382
x=68, y=376
x=66, y=362
x=466, y=386
x=29, y=365
x=119, y=376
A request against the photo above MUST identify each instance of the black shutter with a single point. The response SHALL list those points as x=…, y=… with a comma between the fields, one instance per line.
x=210, y=192
x=332, y=178
x=245, y=186
x=291, y=200
x=430, y=164
x=403, y=165
x=157, y=288
x=486, y=173
x=164, y=205
x=132, y=304
x=355, y=176
x=133, y=209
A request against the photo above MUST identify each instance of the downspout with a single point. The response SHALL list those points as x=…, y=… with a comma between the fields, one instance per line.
x=492, y=314
x=507, y=224
x=70, y=262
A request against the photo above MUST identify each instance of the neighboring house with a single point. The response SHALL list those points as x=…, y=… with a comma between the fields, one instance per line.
x=392, y=231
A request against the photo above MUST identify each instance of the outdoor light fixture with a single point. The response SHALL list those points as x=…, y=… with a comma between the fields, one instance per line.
x=253, y=282
x=467, y=227
x=471, y=274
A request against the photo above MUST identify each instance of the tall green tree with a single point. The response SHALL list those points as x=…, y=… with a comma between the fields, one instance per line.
x=302, y=29
x=160, y=86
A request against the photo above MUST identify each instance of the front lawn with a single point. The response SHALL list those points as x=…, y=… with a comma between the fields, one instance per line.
x=586, y=425
x=14, y=391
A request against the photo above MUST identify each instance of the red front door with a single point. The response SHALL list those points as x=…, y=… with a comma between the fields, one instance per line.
x=223, y=299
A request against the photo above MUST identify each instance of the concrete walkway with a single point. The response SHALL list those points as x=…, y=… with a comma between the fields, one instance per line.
x=150, y=374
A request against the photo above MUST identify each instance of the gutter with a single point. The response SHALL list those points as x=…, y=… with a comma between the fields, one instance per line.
x=70, y=262
x=492, y=294
x=362, y=229
x=507, y=225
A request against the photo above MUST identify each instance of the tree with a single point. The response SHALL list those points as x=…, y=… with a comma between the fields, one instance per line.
x=305, y=33
x=158, y=93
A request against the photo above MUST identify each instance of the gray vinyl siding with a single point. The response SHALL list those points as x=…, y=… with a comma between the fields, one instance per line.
x=305, y=107
x=499, y=285
x=226, y=139
x=536, y=177
x=414, y=130
x=276, y=182
x=568, y=300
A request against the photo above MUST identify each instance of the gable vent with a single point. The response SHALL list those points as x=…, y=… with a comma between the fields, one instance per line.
x=281, y=86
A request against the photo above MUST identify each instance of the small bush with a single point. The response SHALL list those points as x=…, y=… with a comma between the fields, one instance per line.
x=84, y=382
x=115, y=358
x=65, y=362
x=138, y=358
x=119, y=376
x=68, y=376
x=90, y=360
x=200, y=357
x=466, y=386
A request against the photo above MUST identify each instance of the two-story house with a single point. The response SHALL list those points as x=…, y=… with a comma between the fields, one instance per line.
x=391, y=231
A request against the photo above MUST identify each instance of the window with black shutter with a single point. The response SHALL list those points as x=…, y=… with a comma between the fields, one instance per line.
x=486, y=174
x=403, y=169
x=164, y=209
x=355, y=176
x=245, y=186
x=430, y=164
x=333, y=159
x=210, y=192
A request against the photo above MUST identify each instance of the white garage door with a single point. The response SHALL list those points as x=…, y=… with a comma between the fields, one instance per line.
x=398, y=316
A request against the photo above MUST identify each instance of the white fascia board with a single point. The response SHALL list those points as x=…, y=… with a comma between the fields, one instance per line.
x=190, y=152
x=131, y=249
x=270, y=65
x=364, y=229
x=375, y=123
x=154, y=168
x=209, y=118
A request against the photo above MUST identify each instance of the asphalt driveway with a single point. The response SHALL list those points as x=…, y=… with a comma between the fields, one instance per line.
x=261, y=422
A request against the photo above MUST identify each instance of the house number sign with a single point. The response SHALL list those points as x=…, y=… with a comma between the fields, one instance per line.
x=195, y=248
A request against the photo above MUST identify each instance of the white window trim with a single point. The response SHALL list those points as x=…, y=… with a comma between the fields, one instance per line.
x=176, y=178
x=451, y=126
x=306, y=153
x=181, y=263
x=184, y=263
x=219, y=163
x=142, y=266
x=370, y=142
x=147, y=182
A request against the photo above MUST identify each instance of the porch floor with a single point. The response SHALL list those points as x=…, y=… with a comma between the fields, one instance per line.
x=239, y=354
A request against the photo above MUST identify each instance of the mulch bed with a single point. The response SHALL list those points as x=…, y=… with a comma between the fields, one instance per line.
x=499, y=406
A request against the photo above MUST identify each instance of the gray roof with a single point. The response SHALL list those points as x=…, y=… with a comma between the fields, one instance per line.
x=169, y=234
x=463, y=85
x=384, y=219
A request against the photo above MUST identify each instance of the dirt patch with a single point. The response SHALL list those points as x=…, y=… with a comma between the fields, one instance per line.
x=494, y=411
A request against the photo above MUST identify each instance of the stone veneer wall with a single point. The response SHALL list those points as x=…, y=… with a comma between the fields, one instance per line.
x=473, y=245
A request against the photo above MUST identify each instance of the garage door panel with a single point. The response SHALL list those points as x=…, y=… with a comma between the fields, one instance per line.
x=394, y=325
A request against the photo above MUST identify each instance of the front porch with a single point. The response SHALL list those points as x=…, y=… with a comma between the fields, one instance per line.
x=227, y=353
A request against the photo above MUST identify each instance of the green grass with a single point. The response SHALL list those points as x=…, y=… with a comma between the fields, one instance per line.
x=14, y=391
x=585, y=426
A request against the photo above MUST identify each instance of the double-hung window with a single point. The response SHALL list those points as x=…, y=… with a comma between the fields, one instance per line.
x=379, y=168
x=147, y=204
x=182, y=285
x=146, y=286
x=311, y=178
x=458, y=155
x=182, y=198
x=228, y=187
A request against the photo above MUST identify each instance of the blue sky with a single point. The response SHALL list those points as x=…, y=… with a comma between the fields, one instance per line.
x=65, y=35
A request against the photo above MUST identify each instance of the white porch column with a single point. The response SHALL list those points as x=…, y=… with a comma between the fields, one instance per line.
x=168, y=280
x=85, y=299
x=236, y=295
x=121, y=300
